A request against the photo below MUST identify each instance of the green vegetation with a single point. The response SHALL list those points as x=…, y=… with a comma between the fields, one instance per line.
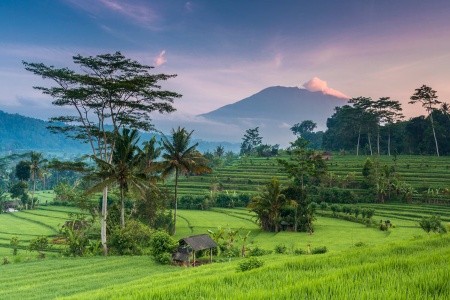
x=426, y=175
x=366, y=255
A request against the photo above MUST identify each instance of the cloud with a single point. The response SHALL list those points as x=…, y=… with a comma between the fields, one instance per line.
x=161, y=58
x=138, y=13
x=318, y=85
x=278, y=60
x=188, y=6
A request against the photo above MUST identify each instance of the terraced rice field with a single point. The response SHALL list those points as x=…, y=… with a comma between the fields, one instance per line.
x=423, y=173
x=419, y=261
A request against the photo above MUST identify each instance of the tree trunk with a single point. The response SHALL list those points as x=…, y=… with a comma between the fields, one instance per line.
x=378, y=140
x=359, y=138
x=370, y=144
x=32, y=194
x=122, y=209
x=103, y=220
x=434, y=134
x=389, y=142
x=176, y=203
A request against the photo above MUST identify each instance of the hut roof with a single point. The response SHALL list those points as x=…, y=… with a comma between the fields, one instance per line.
x=199, y=242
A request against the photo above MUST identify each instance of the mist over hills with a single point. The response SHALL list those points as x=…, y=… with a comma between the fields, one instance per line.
x=275, y=110
x=20, y=133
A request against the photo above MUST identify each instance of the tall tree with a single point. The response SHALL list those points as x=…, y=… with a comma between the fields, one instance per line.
x=445, y=107
x=110, y=93
x=36, y=162
x=364, y=118
x=427, y=96
x=180, y=157
x=250, y=141
x=387, y=112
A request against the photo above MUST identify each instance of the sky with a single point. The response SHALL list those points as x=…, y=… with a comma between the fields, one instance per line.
x=224, y=51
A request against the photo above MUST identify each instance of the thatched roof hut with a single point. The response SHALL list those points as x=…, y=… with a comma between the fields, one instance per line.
x=191, y=244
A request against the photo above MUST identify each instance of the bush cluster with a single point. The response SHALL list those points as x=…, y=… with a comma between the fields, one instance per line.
x=133, y=239
x=337, y=195
x=162, y=246
x=249, y=264
x=433, y=224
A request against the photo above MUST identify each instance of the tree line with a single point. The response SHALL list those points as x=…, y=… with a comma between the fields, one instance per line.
x=377, y=127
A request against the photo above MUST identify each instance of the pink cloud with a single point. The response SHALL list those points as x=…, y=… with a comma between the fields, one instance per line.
x=160, y=59
x=318, y=85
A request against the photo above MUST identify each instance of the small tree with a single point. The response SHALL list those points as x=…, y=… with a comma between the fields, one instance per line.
x=39, y=244
x=250, y=141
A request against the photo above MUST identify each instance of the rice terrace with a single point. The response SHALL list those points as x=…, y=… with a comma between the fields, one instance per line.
x=189, y=150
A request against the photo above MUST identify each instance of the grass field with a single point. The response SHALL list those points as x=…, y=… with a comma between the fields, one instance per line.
x=403, y=263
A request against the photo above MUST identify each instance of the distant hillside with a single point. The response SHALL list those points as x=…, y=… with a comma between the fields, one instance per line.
x=20, y=133
x=23, y=133
x=276, y=109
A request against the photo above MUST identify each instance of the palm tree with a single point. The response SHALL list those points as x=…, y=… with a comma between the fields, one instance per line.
x=125, y=169
x=181, y=158
x=36, y=162
x=267, y=205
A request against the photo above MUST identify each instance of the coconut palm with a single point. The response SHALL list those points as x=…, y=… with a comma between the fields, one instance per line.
x=180, y=157
x=267, y=205
x=125, y=170
x=36, y=162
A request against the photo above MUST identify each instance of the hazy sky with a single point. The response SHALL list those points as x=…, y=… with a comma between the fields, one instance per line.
x=224, y=51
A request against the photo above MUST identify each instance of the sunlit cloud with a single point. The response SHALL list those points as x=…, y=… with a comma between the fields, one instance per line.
x=160, y=59
x=318, y=85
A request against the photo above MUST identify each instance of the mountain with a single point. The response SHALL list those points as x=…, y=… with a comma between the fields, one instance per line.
x=276, y=109
x=19, y=133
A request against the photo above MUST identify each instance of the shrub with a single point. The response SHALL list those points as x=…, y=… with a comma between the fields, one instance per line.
x=319, y=250
x=39, y=244
x=249, y=264
x=360, y=244
x=14, y=244
x=432, y=223
x=5, y=261
x=280, y=248
x=323, y=205
x=356, y=211
x=164, y=258
x=133, y=239
x=300, y=252
x=161, y=244
x=74, y=232
x=335, y=208
x=258, y=251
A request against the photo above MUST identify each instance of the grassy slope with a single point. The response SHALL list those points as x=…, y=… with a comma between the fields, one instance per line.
x=409, y=270
x=412, y=263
